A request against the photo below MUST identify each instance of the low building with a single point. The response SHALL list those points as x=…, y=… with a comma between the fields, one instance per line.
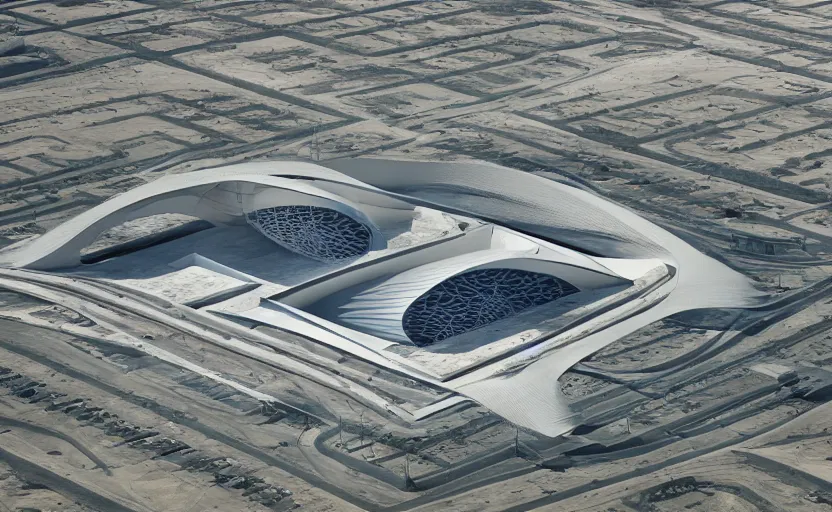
x=767, y=246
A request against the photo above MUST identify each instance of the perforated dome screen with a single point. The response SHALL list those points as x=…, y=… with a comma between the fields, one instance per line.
x=319, y=233
x=476, y=298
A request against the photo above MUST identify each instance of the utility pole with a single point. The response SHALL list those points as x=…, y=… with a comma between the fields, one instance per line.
x=516, y=441
x=406, y=469
x=315, y=147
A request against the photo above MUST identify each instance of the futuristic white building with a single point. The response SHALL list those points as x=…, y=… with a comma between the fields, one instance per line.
x=487, y=281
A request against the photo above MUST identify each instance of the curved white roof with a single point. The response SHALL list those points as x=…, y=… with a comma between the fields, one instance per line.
x=217, y=195
x=520, y=199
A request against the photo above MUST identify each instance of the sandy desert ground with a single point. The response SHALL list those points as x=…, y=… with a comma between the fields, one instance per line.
x=711, y=118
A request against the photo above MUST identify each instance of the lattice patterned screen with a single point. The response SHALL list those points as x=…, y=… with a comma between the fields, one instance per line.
x=319, y=233
x=473, y=299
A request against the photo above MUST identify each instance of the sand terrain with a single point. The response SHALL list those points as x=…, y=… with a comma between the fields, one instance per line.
x=711, y=119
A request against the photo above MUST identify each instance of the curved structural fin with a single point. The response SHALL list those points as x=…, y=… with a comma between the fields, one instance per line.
x=520, y=200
